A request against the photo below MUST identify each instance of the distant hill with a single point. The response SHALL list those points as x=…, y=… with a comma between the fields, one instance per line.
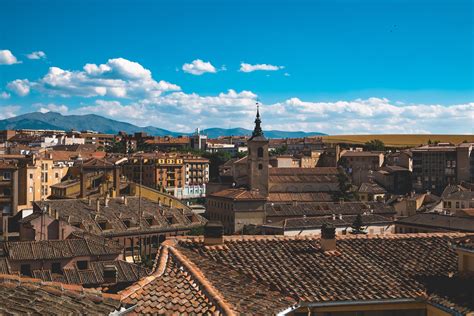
x=399, y=140
x=52, y=120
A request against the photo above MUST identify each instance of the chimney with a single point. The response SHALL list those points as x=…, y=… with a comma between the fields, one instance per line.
x=328, y=237
x=340, y=216
x=5, y=227
x=89, y=202
x=83, y=184
x=106, y=201
x=213, y=234
x=97, y=205
x=110, y=274
x=333, y=217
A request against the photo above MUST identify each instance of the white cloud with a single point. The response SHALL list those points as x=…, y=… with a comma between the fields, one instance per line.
x=118, y=78
x=20, y=87
x=244, y=67
x=180, y=111
x=199, y=67
x=51, y=107
x=4, y=95
x=36, y=55
x=7, y=58
x=9, y=111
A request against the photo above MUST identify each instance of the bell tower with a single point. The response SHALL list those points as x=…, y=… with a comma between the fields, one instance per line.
x=258, y=159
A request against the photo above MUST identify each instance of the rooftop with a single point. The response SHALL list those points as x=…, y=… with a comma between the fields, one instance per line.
x=238, y=194
x=440, y=222
x=121, y=216
x=324, y=209
x=317, y=222
x=372, y=188
x=23, y=296
x=249, y=274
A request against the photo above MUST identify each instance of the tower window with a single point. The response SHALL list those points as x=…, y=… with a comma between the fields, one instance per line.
x=260, y=166
x=260, y=152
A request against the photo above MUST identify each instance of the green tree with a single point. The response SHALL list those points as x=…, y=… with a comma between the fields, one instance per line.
x=357, y=225
x=215, y=160
x=375, y=145
x=346, y=189
x=282, y=150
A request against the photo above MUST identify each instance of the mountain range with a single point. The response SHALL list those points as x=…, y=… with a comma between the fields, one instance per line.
x=57, y=121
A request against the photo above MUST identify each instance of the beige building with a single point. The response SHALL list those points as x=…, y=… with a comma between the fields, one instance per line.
x=35, y=178
x=360, y=165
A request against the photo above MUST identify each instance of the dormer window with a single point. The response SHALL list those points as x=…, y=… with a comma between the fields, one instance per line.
x=127, y=223
x=170, y=219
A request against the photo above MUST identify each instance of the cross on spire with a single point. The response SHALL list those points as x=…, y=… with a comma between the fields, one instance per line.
x=257, y=131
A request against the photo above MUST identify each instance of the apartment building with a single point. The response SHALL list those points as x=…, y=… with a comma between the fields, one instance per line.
x=8, y=186
x=436, y=166
x=183, y=176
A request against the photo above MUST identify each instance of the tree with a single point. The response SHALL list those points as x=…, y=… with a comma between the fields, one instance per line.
x=357, y=225
x=375, y=145
x=279, y=151
x=215, y=160
x=346, y=189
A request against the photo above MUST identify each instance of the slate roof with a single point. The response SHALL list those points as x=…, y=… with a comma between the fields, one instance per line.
x=324, y=209
x=156, y=218
x=269, y=274
x=439, y=222
x=317, y=222
x=22, y=296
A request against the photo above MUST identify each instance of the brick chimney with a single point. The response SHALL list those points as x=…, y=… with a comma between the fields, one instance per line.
x=328, y=237
x=213, y=234
x=110, y=274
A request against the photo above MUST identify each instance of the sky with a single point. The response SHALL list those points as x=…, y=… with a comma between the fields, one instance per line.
x=331, y=66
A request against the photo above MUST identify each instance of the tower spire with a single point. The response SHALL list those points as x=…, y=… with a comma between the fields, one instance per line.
x=257, y=131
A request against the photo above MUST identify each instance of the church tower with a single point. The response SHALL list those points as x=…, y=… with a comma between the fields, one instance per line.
x=258, y=159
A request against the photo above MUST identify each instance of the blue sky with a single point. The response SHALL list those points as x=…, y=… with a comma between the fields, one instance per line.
x=331, y=66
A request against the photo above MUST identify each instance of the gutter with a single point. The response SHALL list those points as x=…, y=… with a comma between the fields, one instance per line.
x=359, y=302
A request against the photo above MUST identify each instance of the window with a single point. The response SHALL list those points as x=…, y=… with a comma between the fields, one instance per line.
x=25, y=269
x=82, y=265
x=31, y=176
x=7, y=192
x=7, y=175
x=56, y=175
x=260, y=152
x=127, y=223
x=260, y=166
x=56, y=267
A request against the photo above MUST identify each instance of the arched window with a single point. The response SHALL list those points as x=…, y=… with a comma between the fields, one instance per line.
x=260, y=152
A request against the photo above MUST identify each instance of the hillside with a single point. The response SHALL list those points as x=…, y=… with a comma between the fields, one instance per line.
x=398, y=140
x=52, y=120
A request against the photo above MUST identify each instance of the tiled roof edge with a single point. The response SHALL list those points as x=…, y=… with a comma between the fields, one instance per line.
x=206, y=286
x=159, y=268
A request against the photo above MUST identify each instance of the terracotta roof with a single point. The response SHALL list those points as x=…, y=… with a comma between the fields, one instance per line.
x=439, y=222
x=278, y=197
x=372, y=188
x=317, y=222
x=238, y=194
x=60, y=249
x=322, y=209
x=32, y=296
x=156, y=217
x=303, y=171
x=269, y=274
x=361, y=154
x=461, y=195
x=184, y=284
